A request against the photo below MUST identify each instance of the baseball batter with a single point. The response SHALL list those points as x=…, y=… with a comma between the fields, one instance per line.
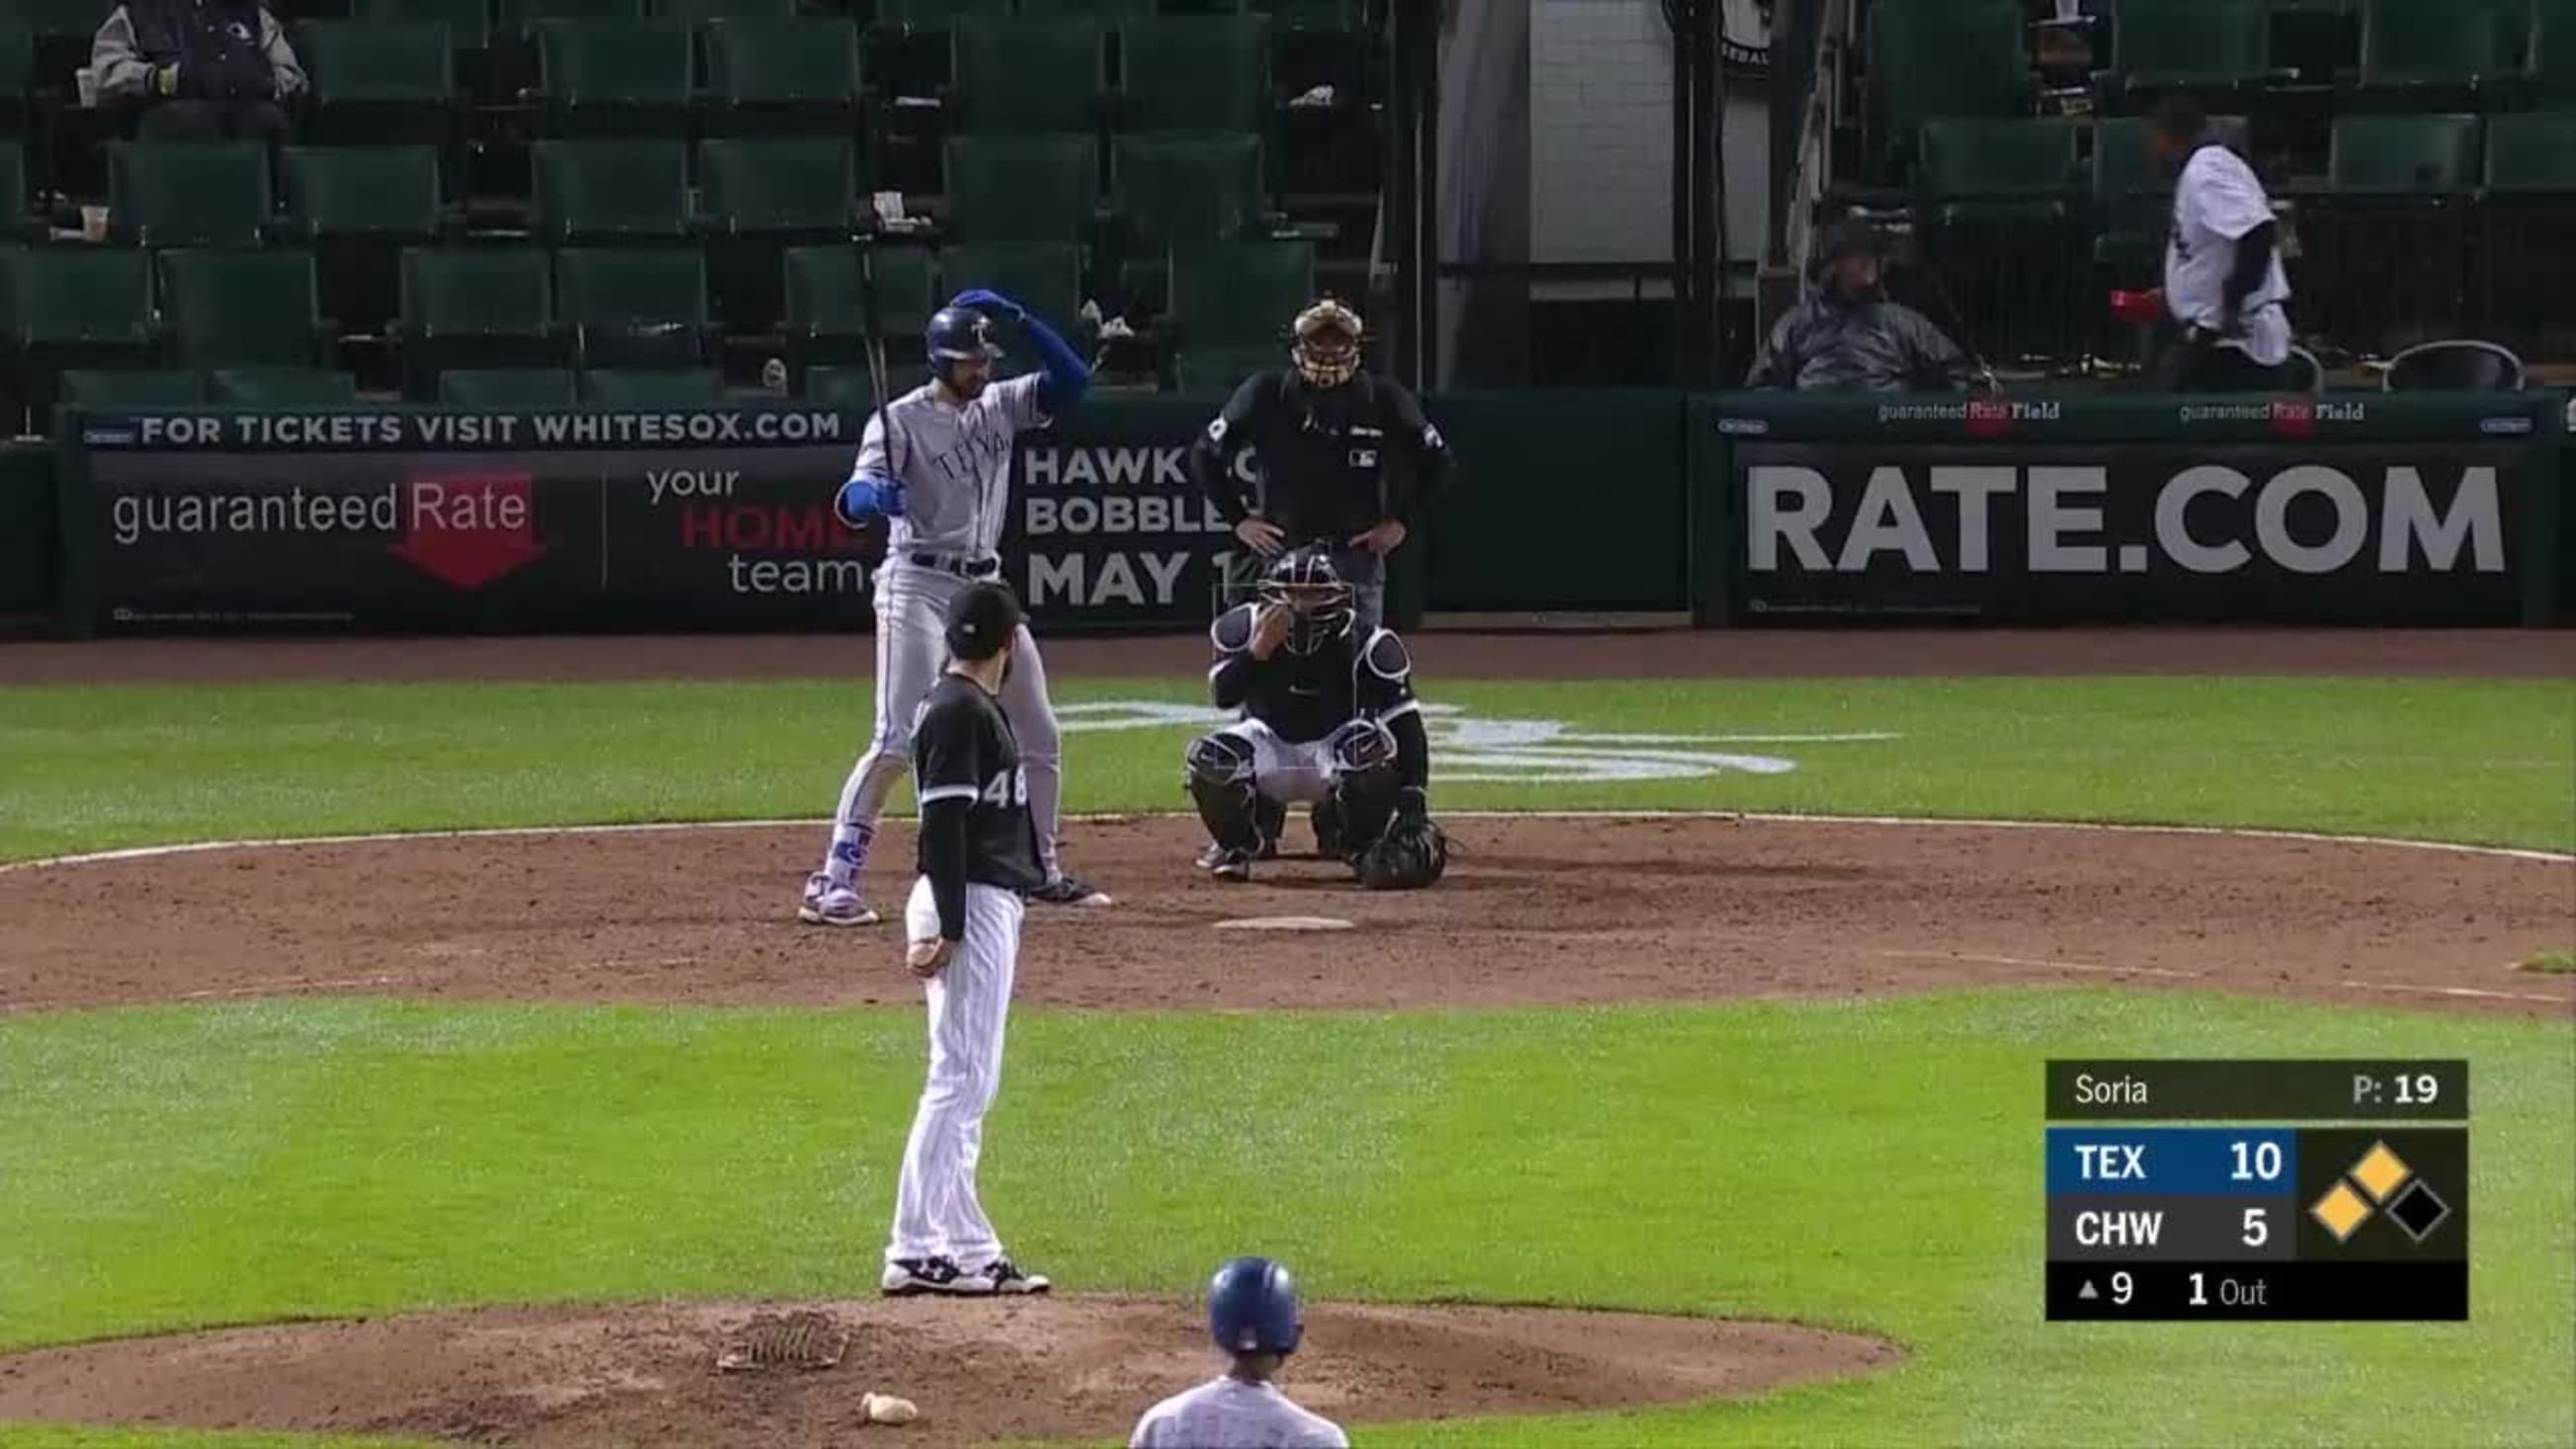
x=962, y=938
x=1254, y=1317
x=936, y=462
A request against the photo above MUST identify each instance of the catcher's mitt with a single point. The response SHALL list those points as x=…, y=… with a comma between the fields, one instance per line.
x=1413, y=853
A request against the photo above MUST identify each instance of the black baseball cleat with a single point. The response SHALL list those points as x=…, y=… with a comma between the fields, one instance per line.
x=1326, y=816
x=1007, y=1277
x=1212, y=854
x=1231, y=864
x=1070, y=890
x=914, y=1277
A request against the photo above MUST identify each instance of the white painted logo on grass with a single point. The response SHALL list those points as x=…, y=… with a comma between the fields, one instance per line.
x=1516, y=751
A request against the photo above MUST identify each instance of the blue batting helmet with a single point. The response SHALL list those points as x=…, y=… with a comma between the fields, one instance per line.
x=957, y=334
x=1252, y=1308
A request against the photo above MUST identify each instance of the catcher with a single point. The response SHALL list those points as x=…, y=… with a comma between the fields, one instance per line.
x=1329, y=720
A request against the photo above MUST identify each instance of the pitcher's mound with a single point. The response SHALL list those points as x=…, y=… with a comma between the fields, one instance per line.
x=1027, y=1369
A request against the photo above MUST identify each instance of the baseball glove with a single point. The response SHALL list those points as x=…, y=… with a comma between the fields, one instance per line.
x=1413, y=853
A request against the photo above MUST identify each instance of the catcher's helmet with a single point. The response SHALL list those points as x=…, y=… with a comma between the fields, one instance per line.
x=1326, y=346
x=1318, y=601
x=957, y=334
x=1252, y=1308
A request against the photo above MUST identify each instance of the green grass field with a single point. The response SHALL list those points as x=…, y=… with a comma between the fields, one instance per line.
x=1871, y=1165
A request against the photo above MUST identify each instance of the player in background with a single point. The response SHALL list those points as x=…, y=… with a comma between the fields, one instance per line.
x=936, y=462
x=1254, y=1318
x=979, y=853
x=1329, y=720
x=2223, y=278
x=1322, y=432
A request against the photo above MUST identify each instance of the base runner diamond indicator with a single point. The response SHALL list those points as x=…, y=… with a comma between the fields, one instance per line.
x=2341, y=1211
x=2419, y=1210
x=2381, y=1172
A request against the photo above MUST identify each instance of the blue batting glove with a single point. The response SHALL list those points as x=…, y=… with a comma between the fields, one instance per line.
x=988, y=300
x=863, y=499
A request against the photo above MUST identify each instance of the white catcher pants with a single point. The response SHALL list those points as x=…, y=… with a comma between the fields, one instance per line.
x=912, y=606
x=936, y=1211
x=1284, y=771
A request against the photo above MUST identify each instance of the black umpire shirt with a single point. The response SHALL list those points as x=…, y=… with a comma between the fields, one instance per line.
x=1321, y=455
x=974, y=800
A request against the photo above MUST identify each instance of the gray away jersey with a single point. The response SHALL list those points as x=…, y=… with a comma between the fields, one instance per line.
x=954, y=463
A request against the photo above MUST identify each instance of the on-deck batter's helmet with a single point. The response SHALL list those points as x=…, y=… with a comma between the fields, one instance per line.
x=958, y=334
x=1318, y=600
x=981, y=619
x=1326, y=343
x=1252, y=1308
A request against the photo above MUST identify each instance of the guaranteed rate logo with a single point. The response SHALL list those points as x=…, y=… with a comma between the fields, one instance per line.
x=470, y=529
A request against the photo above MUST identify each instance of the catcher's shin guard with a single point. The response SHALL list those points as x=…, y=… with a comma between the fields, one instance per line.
x=1221, y=783
x=1365, y=784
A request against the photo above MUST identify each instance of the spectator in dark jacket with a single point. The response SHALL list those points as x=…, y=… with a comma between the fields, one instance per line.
x=1846, y=334
x=197, y=70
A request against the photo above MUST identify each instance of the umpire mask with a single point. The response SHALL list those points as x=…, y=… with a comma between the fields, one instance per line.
x=1327, y=346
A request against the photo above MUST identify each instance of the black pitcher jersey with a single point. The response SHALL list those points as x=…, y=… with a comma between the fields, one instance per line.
x=1305, y=697
x=962, y=749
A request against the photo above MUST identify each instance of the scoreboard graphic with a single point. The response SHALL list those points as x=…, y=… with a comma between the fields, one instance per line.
x=2258, y=1189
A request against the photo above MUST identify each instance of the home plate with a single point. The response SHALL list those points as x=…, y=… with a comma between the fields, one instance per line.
x=1285, y=923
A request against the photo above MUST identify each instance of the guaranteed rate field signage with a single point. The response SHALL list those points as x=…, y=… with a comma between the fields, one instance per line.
x=2374, y=510
x=419, y=519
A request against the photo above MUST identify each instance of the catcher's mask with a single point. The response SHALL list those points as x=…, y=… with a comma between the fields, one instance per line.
x=1327, y=346
x=1305, y=583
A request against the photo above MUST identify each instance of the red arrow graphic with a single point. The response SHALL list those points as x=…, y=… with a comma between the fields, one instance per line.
x=470, y=529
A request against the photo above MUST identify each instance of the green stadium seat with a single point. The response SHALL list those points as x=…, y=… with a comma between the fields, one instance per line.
x=17, y=67
x=629, y=77
x=160, y=387
x=1105, y=11
x=16, y=222
x=1187, y=188
x=1044, y=277
x=840, y=387
x=758, y=197
x=1218, y=371
x=188, y=194
x=2197, y=45
x=826, y=311
x=468, y=22
x=475, y=307
x=1313, y=14
x=779, y=184
x=1028, y=75
x=783, y=75
x=604, y=187
x=637, y=306
x=81, y=298
x=1195, y=73
x=1939, y=59
x=1240, y=294
x=377, y=191
x=940, y=14
x=2441, y=44
x=2553, y=51
x=2404, y=155
x=2532, y=154
x=61, y=17
x=280, y=387
x=723, y=9
x=358, y=207
x=507, y=389
x=224, y=308
x=530, y=14
x=1987, y=160
x=378, y=62
x=1023, y=188
x=642, y=388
